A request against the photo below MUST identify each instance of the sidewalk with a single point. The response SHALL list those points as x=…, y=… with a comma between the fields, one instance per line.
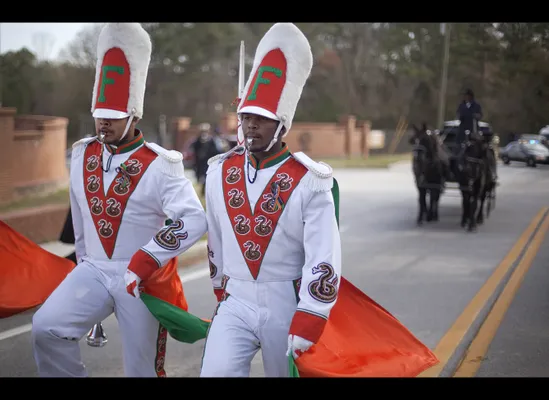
x=196, y=254
x=58, y=248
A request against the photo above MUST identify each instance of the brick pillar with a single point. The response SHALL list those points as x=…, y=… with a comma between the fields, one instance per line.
x=180, y=125
x=364, y=145
x=7, y=127
x=349, y=123
x=229, y=122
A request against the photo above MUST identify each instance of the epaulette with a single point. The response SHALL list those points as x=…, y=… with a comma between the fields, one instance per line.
x=321, y=177
x=171, y=160
x=216, y=160
x=78, y=146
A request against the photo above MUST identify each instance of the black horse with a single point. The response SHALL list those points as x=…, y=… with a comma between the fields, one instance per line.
x=487, y=193
x=428, y=171
x=472, y=172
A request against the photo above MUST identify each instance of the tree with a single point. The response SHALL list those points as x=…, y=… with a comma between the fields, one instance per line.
x=82, y=50
x=16, y=69
x=42, y=43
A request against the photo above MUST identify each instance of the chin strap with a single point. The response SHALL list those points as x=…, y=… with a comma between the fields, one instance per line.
x=275, y=137
x=130, y=119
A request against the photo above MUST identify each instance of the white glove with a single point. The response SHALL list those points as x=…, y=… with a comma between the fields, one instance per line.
x=132, y=283
x=297, y=345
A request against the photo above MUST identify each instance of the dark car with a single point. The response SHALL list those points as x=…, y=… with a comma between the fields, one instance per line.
x=532, y=152
x=544, y=133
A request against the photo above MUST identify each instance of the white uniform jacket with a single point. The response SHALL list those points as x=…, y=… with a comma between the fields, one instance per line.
x=121, y=214
x=291, y=234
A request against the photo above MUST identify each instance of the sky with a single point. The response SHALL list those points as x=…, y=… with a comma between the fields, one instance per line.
x=54, y=36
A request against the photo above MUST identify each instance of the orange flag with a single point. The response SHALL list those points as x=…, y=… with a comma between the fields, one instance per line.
x=362, y=339
x=28, y=273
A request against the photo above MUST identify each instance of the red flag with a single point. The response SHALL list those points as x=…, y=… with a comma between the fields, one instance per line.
x=362, y=339
x=28, y=273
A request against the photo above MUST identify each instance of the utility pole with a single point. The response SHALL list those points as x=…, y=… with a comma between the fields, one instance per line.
x=444, y=30
x=163, y=132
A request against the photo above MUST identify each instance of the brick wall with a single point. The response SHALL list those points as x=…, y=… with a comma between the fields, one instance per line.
x=7, y=122
x=40, y=224
x=32, y=155
x=346, y=138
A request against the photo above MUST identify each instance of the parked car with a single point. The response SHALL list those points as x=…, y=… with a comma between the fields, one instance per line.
x=529, y=137
x=532, y=152
x=544, y=136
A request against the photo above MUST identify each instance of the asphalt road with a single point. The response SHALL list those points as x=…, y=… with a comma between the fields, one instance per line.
x=520, y=347
x=425, y=275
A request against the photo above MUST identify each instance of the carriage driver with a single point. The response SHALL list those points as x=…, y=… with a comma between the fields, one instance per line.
x=469, y=112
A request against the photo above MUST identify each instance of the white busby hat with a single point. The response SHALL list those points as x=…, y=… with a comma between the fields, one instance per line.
x=282, y=64
x=123, y=57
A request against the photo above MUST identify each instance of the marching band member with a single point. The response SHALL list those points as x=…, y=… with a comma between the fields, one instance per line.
x=122, y=190
x=273, y=240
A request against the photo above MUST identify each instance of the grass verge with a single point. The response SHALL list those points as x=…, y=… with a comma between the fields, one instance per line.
x=62, y=196
x=373, y=161
x=58, y=197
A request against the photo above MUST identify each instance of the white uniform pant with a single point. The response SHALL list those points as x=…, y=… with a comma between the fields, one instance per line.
x=255, y=315
x=89, y=294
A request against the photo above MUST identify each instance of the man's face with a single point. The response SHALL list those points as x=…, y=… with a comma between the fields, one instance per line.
x=204, y=135
x=260, y=129
x=467, y=98
x=112, y=128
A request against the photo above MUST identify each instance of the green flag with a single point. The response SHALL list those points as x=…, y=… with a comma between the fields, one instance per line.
x=294, y=372
x=180, y=324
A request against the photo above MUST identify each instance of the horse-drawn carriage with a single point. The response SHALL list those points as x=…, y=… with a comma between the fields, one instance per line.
x=447, y=138
x=441, y=163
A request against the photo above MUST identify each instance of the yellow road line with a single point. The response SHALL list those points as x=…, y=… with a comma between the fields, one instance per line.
x=480, y=344
x=453, y=337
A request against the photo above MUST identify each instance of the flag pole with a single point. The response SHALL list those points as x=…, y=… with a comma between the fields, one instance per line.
x=241, y=75
x=241, y=69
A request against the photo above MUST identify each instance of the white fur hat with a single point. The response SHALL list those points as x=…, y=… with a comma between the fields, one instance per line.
x=123, y=57
x=282, y=64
